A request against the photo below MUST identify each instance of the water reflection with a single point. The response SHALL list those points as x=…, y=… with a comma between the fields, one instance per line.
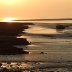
x=35, y=67
x=46, y=50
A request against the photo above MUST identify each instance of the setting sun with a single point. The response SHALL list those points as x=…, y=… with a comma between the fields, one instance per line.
x=8, y=19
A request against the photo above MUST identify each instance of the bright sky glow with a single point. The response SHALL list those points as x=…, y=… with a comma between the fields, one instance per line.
x=8, y=19
x=29, y=9
x=10, y=2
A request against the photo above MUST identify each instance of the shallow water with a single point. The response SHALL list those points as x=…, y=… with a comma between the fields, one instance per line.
x=47, y=50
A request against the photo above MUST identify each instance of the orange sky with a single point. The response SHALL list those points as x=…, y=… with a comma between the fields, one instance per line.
x=36, y=8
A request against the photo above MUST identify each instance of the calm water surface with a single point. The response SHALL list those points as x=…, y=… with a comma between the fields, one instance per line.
x=47, y=50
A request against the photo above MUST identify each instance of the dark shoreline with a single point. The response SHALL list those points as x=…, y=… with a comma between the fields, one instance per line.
x=8, y=38
x=11, y=50
x=13, y=41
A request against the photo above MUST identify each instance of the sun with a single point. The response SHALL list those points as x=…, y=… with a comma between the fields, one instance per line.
x=8, y=19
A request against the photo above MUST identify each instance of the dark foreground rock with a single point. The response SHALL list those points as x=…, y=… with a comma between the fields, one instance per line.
x=10, y=50
x=13, y=41
x=8, y=33
x=13, y=29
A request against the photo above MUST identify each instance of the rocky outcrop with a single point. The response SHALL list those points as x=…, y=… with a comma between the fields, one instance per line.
x=8, y=38
x=10, y=50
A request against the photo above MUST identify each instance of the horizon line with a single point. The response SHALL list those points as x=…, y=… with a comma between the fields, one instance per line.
x=38, y=19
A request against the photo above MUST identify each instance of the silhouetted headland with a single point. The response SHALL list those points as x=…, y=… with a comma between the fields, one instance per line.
x=56, y=19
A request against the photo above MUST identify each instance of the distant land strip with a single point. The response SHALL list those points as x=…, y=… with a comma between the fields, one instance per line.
x=59, y=19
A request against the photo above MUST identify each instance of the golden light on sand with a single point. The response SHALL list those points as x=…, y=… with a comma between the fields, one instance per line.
x=8, y=19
